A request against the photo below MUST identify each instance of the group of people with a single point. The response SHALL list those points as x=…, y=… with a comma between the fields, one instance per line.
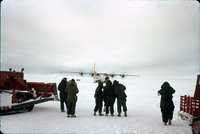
x=108, y=94
x=68, y=91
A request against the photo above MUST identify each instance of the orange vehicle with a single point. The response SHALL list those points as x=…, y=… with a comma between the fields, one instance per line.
x=18, y=95
x=190, y=108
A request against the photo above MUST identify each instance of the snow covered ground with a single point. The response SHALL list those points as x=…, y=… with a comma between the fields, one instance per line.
x=143, y=103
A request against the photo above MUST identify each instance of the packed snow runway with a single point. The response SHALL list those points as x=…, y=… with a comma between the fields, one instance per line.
x=143, y=105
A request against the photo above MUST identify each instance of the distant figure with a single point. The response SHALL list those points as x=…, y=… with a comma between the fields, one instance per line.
x=121, y=97
x=98, y=98
x=63, y=96
x=166, y=103
x=108, y=97
x=71, y=90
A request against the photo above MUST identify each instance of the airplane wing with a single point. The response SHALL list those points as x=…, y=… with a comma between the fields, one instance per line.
x=98, y=74
x=121, y=75
x=80, y=73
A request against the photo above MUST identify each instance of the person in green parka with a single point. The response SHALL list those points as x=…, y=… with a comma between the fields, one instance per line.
x=108, y=97
x=71, y=90
x=98, y=99
x=166, y=102
x=63, y=95
x=121, y=97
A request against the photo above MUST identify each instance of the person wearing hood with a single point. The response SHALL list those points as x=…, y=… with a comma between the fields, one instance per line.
x=63, y=95
x=98, y=99
x=166, y=102
x=104, y=106
x=71, y=90
x=108, y=97
x=121, y=97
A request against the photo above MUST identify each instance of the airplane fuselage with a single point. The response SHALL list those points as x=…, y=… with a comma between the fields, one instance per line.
x=100, y=77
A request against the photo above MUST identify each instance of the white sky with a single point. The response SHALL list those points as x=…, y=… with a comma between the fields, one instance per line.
x=135, y=37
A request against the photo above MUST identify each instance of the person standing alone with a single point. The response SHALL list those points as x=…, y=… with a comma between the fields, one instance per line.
x=166, y=102
x=63, y=96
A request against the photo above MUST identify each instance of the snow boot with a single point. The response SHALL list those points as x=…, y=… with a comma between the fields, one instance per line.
x=100, y=114
x=104, y=109
x=94, y=113
x=106, y=115
x=169, y=121
x=165, y=123
x=62, y=110
x=112, y=114
x=68, y=115
x=73, y=116
x=125, y=114
x=119, y=115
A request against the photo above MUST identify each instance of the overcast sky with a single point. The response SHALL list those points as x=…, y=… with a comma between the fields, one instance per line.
x=135, y=37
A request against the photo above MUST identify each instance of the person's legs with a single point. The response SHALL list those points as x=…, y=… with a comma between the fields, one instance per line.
x=164, y=116
x=170, y=117
x=112, y=108
x=69, y=107
x=124, y=107
x=61, y=105
x=73, y=108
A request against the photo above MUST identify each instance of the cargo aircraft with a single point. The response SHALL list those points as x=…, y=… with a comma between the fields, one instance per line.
x=100, y=76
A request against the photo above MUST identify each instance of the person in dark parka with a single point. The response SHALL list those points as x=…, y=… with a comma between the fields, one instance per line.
x=71, y=90
x=166, y=102
x=63, y=95
x=121, y=97
x=98, y=98
x=108, y=97
x=104, y=108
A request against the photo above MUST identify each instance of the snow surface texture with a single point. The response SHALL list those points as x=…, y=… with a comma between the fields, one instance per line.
x=143, y=103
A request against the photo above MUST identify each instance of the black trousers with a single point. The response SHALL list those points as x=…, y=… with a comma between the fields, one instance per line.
x=121, y=103
x=109, y=105
x=98, y=106
x=62, y=102
x=71, y=106
x=167, y=114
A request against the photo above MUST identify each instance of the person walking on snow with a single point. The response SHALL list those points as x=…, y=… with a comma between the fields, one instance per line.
x=63, y=95
x=166, y=102
x=121, y=97
x=98, y=99
x=71, y=90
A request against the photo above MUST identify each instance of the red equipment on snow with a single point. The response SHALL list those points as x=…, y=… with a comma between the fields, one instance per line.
x=190, y=108
x=22, y=95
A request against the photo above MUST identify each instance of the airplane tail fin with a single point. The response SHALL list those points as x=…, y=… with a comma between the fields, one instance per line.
x=95, y=68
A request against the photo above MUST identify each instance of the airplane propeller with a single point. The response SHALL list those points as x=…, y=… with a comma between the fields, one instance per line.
x=112, y=75
x=81, y=73
x=122, y=75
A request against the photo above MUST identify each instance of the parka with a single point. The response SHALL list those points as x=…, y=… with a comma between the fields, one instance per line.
x=108, y=92
x=71, y=90
x=120, y=91
x=98, y=92
x=166, y=92
x=61, y=88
